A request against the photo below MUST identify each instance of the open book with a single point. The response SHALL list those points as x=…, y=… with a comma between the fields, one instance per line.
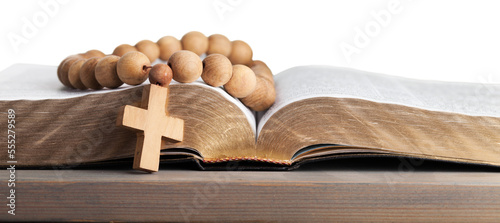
x=320, y=112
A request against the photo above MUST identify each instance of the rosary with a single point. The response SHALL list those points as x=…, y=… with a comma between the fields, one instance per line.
x=228, y=64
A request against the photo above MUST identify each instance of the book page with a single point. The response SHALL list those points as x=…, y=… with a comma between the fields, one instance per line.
x=305, y=82
x=39, y=82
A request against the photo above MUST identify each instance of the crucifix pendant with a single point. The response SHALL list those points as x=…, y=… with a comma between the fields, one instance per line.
x=153, y=126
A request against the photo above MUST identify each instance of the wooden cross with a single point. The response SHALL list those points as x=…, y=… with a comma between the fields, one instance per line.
x=152, y=125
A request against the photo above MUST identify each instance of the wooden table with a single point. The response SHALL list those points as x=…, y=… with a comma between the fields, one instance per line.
x=330, y=193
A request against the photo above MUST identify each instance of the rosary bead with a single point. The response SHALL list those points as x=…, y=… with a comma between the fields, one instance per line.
x=168, y=46
x=242, y=82
x=261, y=69
x=220, y=44
x=195, y=42
x=265, y=93
x=263, y=96
x=160, y=74
x=133, y=68
x=63, y=69
x=123, y=49
x=186, y=66
x=74, y=75
x=94, y=53
x=105, y=72
x=87, y=73
x=217, y=70
x=149, y=48
x=241, y=53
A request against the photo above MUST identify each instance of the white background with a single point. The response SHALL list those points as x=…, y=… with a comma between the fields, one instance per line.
x=439, y=40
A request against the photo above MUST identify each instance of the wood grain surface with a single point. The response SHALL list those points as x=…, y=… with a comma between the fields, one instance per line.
x=297, y=196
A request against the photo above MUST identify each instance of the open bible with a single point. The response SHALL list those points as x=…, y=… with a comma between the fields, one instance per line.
x=320, y=113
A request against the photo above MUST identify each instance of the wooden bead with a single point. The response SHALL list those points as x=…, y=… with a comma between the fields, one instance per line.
x=94, y=53
x=241, y=53
x=63, y=69
x=263, y=96
x=220, y=44
x=186, y=66
x=195, y=42
x=59, y=68
x=133, y=68
x=217, y=70
x=242, y=82
x=123, y=49
x=87, y=73
x=261, y=69
x=265, y=93
x=83, y=56
x=105, y=72
x=149, y=48
x=160, y=74
x=168, y=46
x=74, y=75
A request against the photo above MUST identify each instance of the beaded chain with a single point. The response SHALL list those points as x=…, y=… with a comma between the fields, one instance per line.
x=227, y=63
